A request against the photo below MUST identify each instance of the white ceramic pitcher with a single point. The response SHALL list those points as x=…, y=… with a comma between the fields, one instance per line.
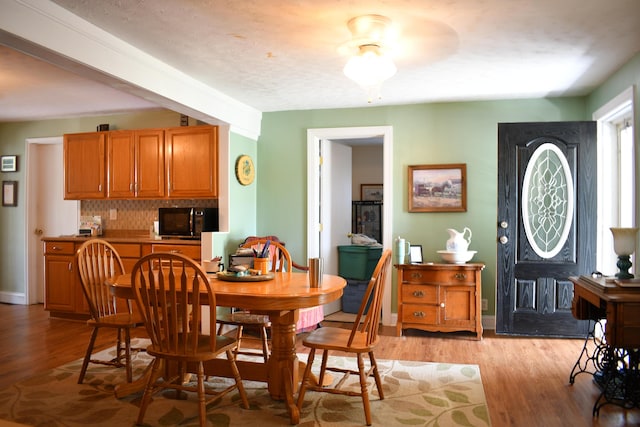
x=457, y=241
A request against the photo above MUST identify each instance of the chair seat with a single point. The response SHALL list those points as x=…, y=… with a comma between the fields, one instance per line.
x=202, y=353
x=118, y=320
x=330, y=338
x=244, y=318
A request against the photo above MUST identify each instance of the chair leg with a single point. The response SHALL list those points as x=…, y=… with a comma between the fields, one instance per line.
x=238, y=379
x=148, y=390
x=304, y=383
x=202, y=411
x=127, y=354
x=376, y=375
x=265, y=344
x=363, y=389
x=87, y=356
x=239, y=330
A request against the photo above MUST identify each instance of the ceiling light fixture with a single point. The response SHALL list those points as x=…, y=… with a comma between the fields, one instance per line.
x=370, y=64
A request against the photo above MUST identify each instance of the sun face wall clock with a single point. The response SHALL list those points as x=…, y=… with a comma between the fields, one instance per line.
x=245, y=171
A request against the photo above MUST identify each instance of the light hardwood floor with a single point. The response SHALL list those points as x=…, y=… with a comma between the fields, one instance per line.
x=525, y=379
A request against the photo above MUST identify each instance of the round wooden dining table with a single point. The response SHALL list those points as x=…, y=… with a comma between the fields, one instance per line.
x=280, y=298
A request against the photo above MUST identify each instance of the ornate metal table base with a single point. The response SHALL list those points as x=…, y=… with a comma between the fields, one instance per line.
x=616, y=371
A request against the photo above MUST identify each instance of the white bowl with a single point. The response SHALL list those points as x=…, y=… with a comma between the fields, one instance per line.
x=457, y=257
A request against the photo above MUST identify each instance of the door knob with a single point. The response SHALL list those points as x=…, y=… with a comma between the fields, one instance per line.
x=503, y=239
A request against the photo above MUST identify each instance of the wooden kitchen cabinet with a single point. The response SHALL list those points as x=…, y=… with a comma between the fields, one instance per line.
x=84, y=165
x=174, y=163
x=63, y=291
x=135, y=164
x=440, y=297
x=192, y=162
x=63, y=288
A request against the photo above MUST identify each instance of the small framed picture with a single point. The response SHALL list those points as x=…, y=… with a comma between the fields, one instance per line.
x=9, y=193
x=437, y=188
x=371, y=192
x=415, y=254
x=9, y=163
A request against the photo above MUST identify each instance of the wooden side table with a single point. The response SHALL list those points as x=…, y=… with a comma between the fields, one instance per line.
x=613, y=359
x=440, y=297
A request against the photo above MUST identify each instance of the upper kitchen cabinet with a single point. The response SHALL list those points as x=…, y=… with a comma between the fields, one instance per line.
x=84, y=165
x=192, y=162
x=135, y=164
x=164, y=163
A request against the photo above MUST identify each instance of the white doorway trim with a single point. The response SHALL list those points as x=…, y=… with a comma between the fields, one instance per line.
x=314, y=136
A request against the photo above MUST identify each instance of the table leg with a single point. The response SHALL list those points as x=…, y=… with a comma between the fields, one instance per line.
x=282, y=367
x=593, y=355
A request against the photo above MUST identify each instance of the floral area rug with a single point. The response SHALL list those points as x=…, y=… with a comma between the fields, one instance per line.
x=416, y=394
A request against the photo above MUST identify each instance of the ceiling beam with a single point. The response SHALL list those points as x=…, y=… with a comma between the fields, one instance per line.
x=51, y=33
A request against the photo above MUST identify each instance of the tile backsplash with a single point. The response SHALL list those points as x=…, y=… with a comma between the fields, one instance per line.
x=135, y=214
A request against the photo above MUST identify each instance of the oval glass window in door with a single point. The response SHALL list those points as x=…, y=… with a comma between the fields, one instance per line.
x=547, y=200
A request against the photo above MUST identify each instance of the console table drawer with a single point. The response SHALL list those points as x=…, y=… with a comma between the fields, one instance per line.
x=419, y=294
x=417, y=313
x=438, y=276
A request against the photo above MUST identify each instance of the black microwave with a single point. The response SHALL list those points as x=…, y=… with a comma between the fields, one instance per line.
x=187, y=222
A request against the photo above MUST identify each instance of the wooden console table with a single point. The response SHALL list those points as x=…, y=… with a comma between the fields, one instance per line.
x=440, y=297
x=614, y=358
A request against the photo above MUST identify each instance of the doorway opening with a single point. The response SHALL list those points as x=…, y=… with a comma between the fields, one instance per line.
x=320, y=242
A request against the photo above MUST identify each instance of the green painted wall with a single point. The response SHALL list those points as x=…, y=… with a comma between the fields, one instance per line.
x=423, y=134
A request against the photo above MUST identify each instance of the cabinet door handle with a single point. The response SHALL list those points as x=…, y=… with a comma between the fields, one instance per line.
x=418, y=294
x=418, y=314
x=70, y=266
x=460, y=276
x=442, y=304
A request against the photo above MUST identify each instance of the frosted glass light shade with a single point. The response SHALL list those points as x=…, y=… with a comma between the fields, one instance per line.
x=624, y=240
x=369, y=69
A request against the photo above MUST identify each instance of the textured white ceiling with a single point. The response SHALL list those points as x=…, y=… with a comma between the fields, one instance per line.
x=278, y=55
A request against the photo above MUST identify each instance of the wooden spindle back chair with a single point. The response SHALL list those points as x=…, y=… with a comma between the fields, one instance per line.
x=98, y=262
x=361, y=339
x=171, y=290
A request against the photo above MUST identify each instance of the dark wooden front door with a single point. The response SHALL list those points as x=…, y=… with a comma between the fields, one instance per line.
x=547, y=203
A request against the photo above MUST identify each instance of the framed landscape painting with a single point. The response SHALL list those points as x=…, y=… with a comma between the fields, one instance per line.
x=438, y=188
x=371, y=192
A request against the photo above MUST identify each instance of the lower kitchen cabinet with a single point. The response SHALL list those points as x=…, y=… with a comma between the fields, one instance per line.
x=63, y=288
x=440, y=297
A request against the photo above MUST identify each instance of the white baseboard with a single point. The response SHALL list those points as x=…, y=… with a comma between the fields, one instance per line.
x=489, y=322
x=13, y=298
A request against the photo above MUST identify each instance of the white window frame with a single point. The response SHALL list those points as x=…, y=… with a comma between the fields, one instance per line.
x=610, y=199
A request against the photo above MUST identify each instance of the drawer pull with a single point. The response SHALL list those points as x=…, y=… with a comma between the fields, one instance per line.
x=442, y=304
x=418, y=314
x=418, y=294
x=56, y=248
x=416, y=275
x=460, y=276
x=175, y=251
